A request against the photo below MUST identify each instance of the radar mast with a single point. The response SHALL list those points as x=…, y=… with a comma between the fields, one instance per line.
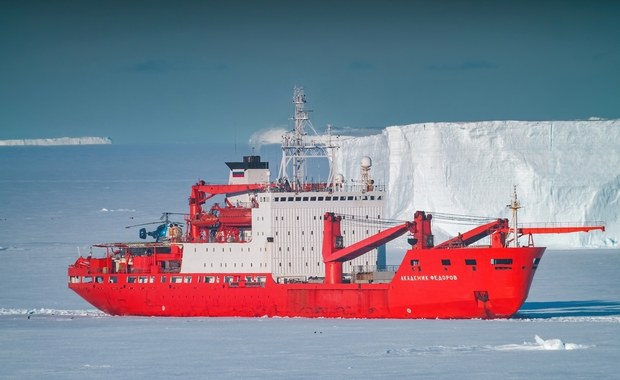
x=295, y=148
x=515, y=205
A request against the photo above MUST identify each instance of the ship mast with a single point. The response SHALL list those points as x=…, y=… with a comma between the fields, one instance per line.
x=515, y=205
x=295, y=150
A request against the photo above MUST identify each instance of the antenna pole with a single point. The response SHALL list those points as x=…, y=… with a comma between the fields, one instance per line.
x=515, y=205
x=295, y=149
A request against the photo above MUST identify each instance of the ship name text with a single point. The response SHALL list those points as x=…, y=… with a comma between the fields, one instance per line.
x=442, y=277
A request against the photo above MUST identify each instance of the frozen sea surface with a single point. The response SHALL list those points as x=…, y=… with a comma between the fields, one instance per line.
x=57, y=201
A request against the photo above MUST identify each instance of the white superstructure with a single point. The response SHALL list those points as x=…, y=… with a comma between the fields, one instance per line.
x=285, y=234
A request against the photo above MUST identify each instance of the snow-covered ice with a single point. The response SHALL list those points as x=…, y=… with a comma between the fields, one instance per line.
x=52, y=208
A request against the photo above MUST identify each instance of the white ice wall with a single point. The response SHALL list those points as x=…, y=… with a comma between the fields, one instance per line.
x=565, y=171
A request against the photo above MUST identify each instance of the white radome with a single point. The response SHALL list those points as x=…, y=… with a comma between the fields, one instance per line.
x=366, y=162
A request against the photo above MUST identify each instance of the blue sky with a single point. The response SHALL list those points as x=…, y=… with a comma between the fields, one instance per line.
x=216, y=72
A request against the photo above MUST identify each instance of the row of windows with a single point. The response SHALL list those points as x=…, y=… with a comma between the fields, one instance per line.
x=329, y=198
x=234, y=265
x=175, y=279
x=320, y=217
x=446, y=262
x=318, y=264
x=344, y=232
x=288, y=249
x=247, y=249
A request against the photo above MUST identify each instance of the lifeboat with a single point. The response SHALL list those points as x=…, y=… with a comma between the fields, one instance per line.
x=205, y=220
x=236, y=216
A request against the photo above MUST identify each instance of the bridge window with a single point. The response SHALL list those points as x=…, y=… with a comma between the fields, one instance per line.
x=501, y=261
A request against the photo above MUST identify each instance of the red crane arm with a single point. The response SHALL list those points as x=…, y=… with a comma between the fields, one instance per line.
x=558, y=230
x=213, y=190
x=331, y=253
x=474, y=235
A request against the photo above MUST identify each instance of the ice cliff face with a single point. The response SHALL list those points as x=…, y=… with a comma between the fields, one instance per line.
x=565, y=171
x=58, y=141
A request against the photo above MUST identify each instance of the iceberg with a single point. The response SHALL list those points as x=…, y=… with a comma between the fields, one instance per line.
x=565, y=172
x=550, y=344
x=58, y=141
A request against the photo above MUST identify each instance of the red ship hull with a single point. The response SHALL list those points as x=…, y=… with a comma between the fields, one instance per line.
x=293, y=248
x=451, y=283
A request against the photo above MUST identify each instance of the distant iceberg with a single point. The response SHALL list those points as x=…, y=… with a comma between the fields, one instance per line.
x=565, y=172
x=58, y=141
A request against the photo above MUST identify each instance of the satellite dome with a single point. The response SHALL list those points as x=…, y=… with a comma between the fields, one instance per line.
x=366, y=162
x=339, y=178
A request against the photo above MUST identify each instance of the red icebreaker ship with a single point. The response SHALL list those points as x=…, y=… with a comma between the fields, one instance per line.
x=290, y=248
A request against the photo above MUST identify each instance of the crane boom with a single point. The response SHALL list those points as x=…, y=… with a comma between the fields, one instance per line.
x=475, y=234
x=334, y=252
x=558, y=230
